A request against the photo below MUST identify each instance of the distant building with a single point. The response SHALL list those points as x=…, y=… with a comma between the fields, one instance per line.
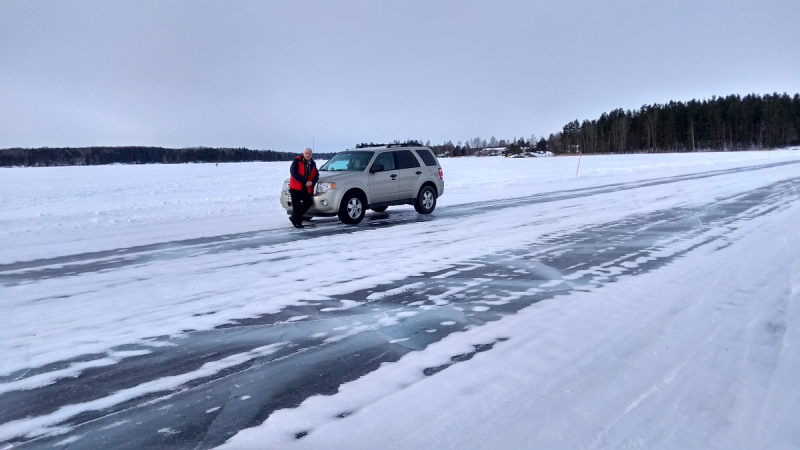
x=491, y=151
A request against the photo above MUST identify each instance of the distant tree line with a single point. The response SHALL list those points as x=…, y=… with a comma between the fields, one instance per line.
x=475, y=146
x=721, y=123
x=471, y=146
x=90, y=156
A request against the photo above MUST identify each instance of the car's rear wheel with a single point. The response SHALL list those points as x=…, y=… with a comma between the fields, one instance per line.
x=426, y=200
x=379, y=208
x=351, y=210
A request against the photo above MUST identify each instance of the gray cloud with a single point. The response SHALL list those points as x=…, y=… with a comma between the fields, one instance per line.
x=276, y=74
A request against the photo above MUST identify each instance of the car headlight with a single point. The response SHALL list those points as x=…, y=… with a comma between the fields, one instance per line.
x=325, y=187
x=286, y=187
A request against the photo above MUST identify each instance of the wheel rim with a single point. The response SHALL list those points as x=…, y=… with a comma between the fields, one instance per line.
x=427, y=199
x=354, y=208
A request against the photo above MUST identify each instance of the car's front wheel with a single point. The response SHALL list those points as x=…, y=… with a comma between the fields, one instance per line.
x=351, y=210
x=426, y=200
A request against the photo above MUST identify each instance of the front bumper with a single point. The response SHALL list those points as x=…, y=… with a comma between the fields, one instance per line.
x=325, y=205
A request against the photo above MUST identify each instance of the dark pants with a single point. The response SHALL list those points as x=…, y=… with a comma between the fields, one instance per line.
x=301, y=201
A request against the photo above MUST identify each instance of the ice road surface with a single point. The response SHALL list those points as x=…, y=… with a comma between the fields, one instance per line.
x=651, y=302
x=54, y=211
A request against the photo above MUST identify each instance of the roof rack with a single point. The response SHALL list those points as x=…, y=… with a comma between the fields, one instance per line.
x=396, y=144
x=405, y=144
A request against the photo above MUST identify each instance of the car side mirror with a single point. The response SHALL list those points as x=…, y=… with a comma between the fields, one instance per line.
x=376, y=168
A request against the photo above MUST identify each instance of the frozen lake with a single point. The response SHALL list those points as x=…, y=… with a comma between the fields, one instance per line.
x=651, y=301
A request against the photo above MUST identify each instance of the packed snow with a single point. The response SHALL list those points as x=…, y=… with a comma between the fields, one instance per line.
x=696, y=354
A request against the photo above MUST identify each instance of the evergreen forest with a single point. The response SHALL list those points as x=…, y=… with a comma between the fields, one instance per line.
x=721, y=123
x=752, y=122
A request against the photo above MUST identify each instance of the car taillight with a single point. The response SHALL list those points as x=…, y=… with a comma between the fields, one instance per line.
x=441, y=174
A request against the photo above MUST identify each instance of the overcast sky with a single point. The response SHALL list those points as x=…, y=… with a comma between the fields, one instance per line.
x=263, y=74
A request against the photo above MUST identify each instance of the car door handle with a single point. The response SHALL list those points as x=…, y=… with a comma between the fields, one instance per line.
x=394, y=175
x=418, y=172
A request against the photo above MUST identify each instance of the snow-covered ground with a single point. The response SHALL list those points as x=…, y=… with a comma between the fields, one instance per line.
x=54, y=211
x=697, y=352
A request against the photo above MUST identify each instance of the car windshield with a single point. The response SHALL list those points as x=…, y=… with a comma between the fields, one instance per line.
x=348, y=161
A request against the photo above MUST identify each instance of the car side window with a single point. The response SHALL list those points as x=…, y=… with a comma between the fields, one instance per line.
x=406, y=159
x=427, y=157
x=386, y=160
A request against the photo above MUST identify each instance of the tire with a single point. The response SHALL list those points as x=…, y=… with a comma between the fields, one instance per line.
x=351, y=210
x=379, y=208
x=426, y=200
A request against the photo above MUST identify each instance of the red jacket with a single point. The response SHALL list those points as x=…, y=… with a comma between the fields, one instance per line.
x=299, y=177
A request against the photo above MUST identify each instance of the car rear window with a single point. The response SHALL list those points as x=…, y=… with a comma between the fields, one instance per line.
x=427, y=157
x=406, y=159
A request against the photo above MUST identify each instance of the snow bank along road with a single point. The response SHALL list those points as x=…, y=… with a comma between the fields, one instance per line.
x=654, y=309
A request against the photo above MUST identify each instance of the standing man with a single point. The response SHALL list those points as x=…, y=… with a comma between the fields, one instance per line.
x=301, y=186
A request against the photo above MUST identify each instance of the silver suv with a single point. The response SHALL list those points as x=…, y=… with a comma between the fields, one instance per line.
x=375, y=178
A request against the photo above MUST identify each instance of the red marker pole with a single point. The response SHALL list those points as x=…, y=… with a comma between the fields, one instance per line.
x=579, y=165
